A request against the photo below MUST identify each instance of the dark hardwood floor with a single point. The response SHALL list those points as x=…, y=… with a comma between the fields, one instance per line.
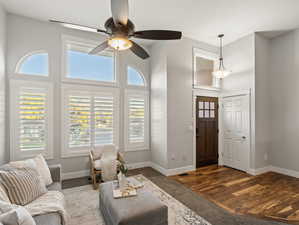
x=270, y=195
x=200, y=205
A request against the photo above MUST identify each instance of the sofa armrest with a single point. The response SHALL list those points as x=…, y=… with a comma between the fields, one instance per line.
x=55, y=171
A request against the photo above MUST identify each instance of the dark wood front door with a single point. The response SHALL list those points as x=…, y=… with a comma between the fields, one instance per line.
x=206, y=131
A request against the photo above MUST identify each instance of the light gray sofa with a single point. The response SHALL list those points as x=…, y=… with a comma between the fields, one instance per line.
x=52, y=218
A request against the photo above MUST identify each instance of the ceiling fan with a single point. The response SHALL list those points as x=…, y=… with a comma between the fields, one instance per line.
x=120, y=29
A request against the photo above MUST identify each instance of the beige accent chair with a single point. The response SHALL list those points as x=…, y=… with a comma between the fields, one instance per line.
x=95, y=162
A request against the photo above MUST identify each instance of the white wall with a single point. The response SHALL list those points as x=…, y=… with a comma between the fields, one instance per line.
x=262, y=101
x=172, y=100
x=239, y=57
x=180, y=100
x=159, y=105
x=26, y=35
x=3, y=152
x=284, y=106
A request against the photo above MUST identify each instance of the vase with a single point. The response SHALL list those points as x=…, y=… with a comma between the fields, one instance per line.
x=122, y=181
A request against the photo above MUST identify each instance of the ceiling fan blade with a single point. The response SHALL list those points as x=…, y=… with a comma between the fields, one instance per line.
x=158, y=34
x=120, y=11
x=99, y=48
x=78, y=27
x=139, y=51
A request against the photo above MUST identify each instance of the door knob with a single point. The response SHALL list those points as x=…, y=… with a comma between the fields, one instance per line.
x=243, y=137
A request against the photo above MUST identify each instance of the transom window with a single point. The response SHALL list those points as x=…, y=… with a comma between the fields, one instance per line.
x=81, y=65
x=34, y=64
x=134, y=77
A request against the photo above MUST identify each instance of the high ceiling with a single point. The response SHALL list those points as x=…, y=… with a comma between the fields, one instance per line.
x=198, y=19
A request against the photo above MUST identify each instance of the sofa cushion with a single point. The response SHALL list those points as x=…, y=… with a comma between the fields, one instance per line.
x=56, y=186
x=22, y=185
x=48, y=219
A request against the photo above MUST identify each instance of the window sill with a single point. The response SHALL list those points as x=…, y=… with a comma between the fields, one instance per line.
x=136, y=149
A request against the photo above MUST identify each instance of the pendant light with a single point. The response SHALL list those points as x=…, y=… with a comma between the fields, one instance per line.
x=221, y=72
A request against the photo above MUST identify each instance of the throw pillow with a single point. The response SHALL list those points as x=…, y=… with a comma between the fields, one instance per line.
x=3, y=194
x=43, y=169
x=12, y=214
x=39, y=163
x=22, y=185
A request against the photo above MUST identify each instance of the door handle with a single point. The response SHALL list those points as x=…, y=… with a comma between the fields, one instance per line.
x=243, y=137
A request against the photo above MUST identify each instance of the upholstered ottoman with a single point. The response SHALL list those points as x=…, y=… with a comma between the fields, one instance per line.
x=143, y=209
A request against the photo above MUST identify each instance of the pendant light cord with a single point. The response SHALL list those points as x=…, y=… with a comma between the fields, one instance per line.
x=221, y=65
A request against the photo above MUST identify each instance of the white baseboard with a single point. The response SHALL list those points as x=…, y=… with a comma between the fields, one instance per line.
x=159, y=168
x=176, y=171
x=138, y=165
x=259, y=171
x=288, y=172
x=276, y=169
x=172, y=172
x=77, y=174
x=166, y=172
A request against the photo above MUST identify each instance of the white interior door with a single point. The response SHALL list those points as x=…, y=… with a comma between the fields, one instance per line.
x=236, y=132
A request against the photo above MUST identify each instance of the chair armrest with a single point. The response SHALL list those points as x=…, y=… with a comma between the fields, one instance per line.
x=91, y=160
x=55, y=171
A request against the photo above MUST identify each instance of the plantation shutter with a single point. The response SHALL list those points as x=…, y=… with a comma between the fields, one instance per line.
x=136, y=118
x=32, y=117
x=103, y=119
x=79, y=115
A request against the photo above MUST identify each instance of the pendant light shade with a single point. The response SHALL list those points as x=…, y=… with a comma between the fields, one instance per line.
x=221, y=72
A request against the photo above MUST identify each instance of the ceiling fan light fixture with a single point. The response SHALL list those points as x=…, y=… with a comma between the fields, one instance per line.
x=221, y=72
x=119, y=43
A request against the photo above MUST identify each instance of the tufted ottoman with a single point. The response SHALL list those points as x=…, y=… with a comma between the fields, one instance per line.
x=143, y=209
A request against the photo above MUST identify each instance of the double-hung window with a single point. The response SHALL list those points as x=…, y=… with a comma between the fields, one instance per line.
x=136, y=120
x=31, y=119
x=90, y=118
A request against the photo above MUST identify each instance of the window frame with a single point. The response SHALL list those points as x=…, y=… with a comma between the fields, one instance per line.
x=140, y=73
x=68, y=89
x=197, y=52
x=25, y=76
x=70, y=40
x=15, y=87
x=142, y=146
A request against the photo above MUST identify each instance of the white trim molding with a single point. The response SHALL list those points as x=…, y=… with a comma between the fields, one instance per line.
x=140, y=145
x=16, y=88
x=284, y=171
x=92, y=93
x=138, y=165
x=174, y=171
x=259, y=171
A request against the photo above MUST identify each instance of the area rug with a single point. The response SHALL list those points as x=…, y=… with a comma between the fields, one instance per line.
x=83, y=206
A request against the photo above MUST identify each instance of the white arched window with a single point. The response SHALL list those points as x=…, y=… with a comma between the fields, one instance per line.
x=36, y=63
x=134, y=77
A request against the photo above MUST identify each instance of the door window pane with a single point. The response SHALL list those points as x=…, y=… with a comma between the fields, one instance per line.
x=200, y=114
x=212, y=105
x=207, y=115
x=207, y=105
x=200, y=105
x=212, y=114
